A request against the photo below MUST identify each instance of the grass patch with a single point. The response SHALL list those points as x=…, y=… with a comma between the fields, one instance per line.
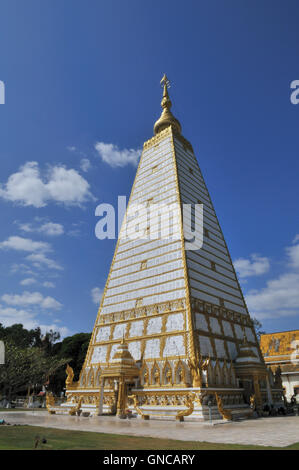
x=23, y=438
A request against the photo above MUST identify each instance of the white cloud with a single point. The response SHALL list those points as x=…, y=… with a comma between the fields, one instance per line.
x=293, y=253
x=74, y=233
x=28, y=281
x=28, y=187
x=26, y=227
x=39, y=260
x=52, y=229
x=49, y=284
x=48, y=228
x=10, y=316
x=24, y=244
x=115, y=157
x=68, y=187
x=22, y=269
x=37, y=252
x=51, y=303
x=85, y=165
x=96, y=295
x=255, y=267
x=76, y=229
x=279, y=298
x=31, y=299
x=25, y=186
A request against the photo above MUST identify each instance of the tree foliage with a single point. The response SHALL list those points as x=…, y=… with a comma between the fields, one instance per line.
x=29, y=338
x=258, y=328
x=25, y=368
x=32, y=359
x=74, y=347
x=29, y=359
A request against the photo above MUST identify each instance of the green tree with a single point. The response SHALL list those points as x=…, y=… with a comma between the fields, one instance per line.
x=74, y=347
x=32, y=350
x=20, y=336
x=49, y=340
x=29, y=338
x=26, y=368
x=258, y=328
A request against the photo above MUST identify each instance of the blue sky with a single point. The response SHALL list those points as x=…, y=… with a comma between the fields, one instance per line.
x=78, y=74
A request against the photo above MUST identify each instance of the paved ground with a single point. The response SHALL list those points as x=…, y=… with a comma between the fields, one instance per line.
x=280, y=431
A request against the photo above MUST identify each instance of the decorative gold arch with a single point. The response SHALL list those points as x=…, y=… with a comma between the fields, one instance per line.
x=82, y=380
x=90, y=377
x=97, y=375
x=180, y=379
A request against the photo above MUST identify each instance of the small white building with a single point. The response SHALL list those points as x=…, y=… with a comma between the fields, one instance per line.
x=281, y=350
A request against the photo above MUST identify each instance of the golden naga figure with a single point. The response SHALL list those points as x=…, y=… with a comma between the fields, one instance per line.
x=189, y=403
x=196, y=365
x=135, y=404
x=76, y=408
x=226, y=414
x=70, y=375
x=50, y=401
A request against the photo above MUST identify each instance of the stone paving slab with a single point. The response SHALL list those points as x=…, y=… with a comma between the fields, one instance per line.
x=274, y=431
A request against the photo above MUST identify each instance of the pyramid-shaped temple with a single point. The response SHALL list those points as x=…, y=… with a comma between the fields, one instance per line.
x=173, y=336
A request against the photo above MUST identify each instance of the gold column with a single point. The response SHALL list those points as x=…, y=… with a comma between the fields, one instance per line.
x=99, y=409
x=121, y=401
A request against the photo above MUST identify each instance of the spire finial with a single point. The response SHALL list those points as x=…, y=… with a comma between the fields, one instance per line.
x=165, y=82
x=166, y=119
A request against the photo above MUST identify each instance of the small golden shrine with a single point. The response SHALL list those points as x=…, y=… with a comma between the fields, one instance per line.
x=123, y=371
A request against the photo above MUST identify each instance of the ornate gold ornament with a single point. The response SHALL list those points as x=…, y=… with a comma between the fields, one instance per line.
x=189, y=403
x=155, y=374
x=144, y=375
x=196, y=365
x=180, y=374
x=76, y=408
x=50, y=402
x=226, y=414
x=166, y=119
x=121, y=401
x=139, y=411
x=70, y=375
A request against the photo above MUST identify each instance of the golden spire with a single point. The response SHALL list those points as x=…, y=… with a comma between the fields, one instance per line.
x=167, y=118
